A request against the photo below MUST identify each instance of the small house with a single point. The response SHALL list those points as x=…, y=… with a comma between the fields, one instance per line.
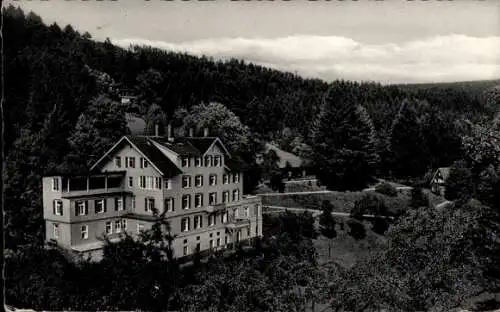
x=438, y=181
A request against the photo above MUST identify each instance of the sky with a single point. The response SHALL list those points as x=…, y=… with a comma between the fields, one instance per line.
x=391, y=41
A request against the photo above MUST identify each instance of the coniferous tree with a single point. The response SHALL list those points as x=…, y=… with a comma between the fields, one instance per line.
x=343, y=138
x=408, y=143
x=327, y=224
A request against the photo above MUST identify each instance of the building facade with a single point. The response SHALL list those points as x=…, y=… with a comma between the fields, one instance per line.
x=438, y=181
x=192, y=180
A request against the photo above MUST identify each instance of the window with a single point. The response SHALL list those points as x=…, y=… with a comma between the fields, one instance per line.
x=144, y=162
x=198, y=247
x=248, y=232
x=208, y=161
x=169, y=204
x=100, y=206
x=197, y=238
x=118, y=162
x=133, y=202
x=225, y=197
x=198, y=200
x=226, y=240
x=198, y=162
x=218, y=242
x=198, y=222
x=185, y=250
x=81, y=208
x=158, y=183
x=212, y=198
x=140, y=228
x=213, y=179
x=247, y=212
x=185, y=224
x=131, y=162
x=119, y=204
x=149, y=204
x=118, y=226
x=142, y=182
x=130, y=181
x=56, y=230
x=85, y=231
x=185, y=161
x=124, y=224
x=236, y=177
x=149, y=183
x=55, y=184
x=58, y=207
x=238, y=236
x=198, y=180
x=109, y=229
x=236, y=195
x=225, y=179
x=186, y=181
x=211, y=243
x=211, y=219
x=168, y=184
x=224, y=217
x=186, y=201
x=217, y=161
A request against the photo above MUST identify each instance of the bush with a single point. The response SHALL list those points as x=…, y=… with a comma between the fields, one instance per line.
x=386, y=189
x=357, y=229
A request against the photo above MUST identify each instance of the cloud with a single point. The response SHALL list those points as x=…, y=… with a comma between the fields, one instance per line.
x=434, y=59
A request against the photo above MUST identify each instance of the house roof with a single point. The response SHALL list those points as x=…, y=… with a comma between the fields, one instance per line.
x=445, y=172
x=294, y=160
x=183, y=146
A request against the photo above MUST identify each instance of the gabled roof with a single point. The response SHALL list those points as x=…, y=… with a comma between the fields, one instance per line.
x=445, y=172
x=157, y=159
x=183, y=146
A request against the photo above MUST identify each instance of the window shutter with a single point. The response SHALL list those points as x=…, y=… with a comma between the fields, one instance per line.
x=76, y=209
x=95, y=206
x=126, y=162
x=86, y=207
x=116, y=204
x=104, y=205
x=62, y=209
x=153, y=201
x=54, y=206
x=141, y=161
x=145, y=204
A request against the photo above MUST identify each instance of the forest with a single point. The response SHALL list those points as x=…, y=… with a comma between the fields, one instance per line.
x=62, y=111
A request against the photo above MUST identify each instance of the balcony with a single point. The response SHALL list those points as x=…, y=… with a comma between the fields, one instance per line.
x=238, y=223
x=95, y=184
x=216, y=208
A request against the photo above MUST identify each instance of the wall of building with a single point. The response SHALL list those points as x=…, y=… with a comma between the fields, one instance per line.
x=135, y=173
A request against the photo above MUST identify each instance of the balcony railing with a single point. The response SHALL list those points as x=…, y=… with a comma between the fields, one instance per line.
x=237, y=223
x=215, y=208
x=105, y=183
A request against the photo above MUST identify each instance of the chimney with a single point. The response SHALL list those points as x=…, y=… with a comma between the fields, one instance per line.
x=169, y=133
x=205, y=132
x=190, y=132
x=157, y=129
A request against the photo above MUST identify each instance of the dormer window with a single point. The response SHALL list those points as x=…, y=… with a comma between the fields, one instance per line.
x=185, y=161
x=217, y=161
x=208, y=161
x=236, y=178
x=129, y=162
